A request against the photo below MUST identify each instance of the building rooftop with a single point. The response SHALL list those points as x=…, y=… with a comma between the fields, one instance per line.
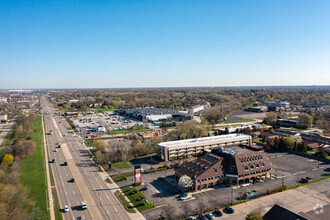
x=204, y=140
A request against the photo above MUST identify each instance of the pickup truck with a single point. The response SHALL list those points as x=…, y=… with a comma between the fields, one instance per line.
x=250, y=194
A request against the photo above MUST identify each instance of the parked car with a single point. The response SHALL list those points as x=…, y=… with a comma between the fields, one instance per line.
x=229, y=210
x=202, y=217
x=210, y=216
x=191, y=218
x=144, y=188
x=184, y=197
x=217, y=212
x=66, y=208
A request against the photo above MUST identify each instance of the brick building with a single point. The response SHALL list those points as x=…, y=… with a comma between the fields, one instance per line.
x=234, y=165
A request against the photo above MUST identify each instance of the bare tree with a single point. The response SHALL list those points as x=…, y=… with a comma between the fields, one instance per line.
x=186, y=209
x=169, y=212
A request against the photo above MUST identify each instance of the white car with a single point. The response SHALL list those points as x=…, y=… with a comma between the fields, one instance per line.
x=83, y=205
x=66, y=208
x=184, y=197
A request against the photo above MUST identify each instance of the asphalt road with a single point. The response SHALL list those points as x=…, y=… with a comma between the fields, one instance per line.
x=89, y=186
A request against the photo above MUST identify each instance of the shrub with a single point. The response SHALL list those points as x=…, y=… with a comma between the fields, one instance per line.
x=137, y=184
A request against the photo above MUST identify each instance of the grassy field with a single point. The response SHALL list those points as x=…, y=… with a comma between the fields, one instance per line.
x=122, y=177
x=32, y=172
x=124, y=202
x=238, y=121
x=135, y=196
x=139, y=129
x=121, y=165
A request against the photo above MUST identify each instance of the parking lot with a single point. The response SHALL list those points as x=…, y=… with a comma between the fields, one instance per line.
x=290, y=166
x=110, y=119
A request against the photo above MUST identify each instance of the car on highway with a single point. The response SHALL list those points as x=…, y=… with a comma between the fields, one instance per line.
x=66, y=208
x=58, y=143
x=79, y=218
x=71, y=180
x=59, y=146
x=64, y=135
x=83, y=205
x=56, y=150
x=52, y=161
x=65, y=163
x=229, y=210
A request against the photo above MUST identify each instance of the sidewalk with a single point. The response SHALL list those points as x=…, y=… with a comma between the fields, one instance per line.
x=301, y=199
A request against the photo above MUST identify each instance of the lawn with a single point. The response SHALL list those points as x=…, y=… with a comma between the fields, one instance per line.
x=137, y=198
x=121, y=165
x=139, y=129
x=238, y=121
x=32, y=172
x=124, y=202
x=122, y=177
x=258, y=140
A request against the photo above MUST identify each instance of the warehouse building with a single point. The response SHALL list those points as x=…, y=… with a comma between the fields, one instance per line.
x=156, y=114
x=273, y=106
x=191, y=147
x=232, y=165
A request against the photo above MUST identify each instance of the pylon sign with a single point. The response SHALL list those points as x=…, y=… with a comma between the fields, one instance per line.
x=137, y=174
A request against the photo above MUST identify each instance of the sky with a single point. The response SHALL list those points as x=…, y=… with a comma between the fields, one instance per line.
x=163, y=43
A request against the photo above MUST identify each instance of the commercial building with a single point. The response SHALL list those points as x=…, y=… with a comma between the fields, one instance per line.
x=228, y=165
x=156, y=114
x=273, y=106
x=191, y=147
x=3, y=100
x=287, y=123
x=195, y=109
x=256, y=109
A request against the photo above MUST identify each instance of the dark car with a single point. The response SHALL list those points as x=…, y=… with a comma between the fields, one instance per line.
x=229, y=210
x=52, y=161
x=72, y=180
x=65, y=163
x=79, y=218
x=202, y=217
x=144, y=188
x=217, y=213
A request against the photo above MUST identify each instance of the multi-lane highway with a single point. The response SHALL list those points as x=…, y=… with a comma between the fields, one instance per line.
x=89, y=185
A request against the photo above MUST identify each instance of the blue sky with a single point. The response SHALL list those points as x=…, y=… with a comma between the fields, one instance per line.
x=158, y=43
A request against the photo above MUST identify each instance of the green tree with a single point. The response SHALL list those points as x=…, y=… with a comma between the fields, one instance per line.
x=7, y=159
x=253, y=216
x=288, y=143
x=305, y=120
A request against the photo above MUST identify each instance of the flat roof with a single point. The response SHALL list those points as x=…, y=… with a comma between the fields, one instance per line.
x=203, y=140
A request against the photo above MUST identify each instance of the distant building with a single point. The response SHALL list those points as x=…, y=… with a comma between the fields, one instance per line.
x=231, y=165
x=273, y=106
x=256, y=109
x=315, y=138
x=3, y=100
x=285, y=133
x=191, y=147
x=3, y=118
x=287, y=123
x=156, y=114
x=195, y=109
x=73, y=101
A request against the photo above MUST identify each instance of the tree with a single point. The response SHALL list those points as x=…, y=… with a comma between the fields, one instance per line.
x=185, y=182
x=305, y=120
x=271, y=118
x=27, y=148
x=253, y=216
x=186, y=209
x=99, y=145
x=7, y=159
x=169, y=212
x=288, y=143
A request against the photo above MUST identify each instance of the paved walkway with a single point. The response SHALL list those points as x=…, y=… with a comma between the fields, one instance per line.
x=302, y=199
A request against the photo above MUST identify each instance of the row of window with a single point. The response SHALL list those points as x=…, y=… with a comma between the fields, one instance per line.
x=251, y=158
x=259, y=171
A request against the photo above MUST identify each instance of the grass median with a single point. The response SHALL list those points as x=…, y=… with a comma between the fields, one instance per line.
x=137, y=198
x=32, y=172
x=122, y=177
x=121, y=165
x=123, y=201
